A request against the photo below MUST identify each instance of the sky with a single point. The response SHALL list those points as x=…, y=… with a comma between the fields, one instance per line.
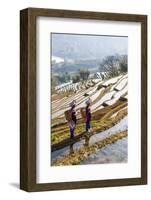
x=75, y=46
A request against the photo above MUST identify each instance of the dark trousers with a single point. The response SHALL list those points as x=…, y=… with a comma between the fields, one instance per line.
x=88, y=125
x=72, y=126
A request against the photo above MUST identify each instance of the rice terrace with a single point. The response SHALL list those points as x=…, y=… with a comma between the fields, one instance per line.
x=89, y=99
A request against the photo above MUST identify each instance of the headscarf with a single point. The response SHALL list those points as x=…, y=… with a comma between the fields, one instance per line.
x=73, y=103
x=88, y=101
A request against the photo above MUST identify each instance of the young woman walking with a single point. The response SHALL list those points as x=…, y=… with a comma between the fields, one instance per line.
x=88, y=115
x=73, y=121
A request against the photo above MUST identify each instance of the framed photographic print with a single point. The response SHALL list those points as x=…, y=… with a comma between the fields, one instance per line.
x=83, y=90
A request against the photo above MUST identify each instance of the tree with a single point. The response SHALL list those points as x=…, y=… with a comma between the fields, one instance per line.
x=123, y=63
x=110, y=65
x=67, y=76
x=54, y=81
x=84, y=74
x=76, y=78
x=64, y=77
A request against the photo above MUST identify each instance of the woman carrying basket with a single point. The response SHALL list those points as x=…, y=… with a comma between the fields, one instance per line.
x=88, y=115
x=73, y=121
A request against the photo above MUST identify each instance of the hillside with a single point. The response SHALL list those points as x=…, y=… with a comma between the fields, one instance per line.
x=109, y=117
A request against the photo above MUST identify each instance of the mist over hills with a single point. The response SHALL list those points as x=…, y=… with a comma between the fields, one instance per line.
x=84, y=50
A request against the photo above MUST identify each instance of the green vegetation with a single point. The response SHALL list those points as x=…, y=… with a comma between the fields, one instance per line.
x=123, y=64
x=114, y=65
x=81, y=75
x=60, y=78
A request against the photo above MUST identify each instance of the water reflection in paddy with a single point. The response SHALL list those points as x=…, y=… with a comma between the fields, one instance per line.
x=111, y=153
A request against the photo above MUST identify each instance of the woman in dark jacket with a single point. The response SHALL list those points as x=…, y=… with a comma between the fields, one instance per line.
x=88, y=115
x=72, y=123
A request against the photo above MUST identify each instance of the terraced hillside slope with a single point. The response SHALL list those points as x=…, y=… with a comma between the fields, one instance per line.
x=109, y=122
